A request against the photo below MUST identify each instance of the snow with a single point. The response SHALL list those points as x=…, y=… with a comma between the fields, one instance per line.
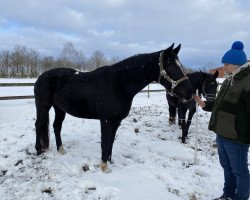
x=151, y=164
x=16, y=91
x=220, y=80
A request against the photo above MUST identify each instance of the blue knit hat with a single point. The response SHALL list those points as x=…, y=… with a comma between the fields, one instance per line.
x=235, y=55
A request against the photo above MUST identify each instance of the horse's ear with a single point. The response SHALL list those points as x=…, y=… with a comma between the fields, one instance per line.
x=177, y=49
x=170, y=48
x=216, y=74
x=204, y=75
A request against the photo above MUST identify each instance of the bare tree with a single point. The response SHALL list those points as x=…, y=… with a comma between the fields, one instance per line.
x=70, y=57
x=96, y=60
x=24, y=62
x=32, y=63
x=47, y=63
x=5, y=63
x=114, y=60
x=18, y=59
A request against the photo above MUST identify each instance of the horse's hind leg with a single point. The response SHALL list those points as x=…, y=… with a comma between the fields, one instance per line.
x=42, y=130
x=57, y=125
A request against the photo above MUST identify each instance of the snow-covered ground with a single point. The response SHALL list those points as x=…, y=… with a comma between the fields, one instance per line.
x=149, y=161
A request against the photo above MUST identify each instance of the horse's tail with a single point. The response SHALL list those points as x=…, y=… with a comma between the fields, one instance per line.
x=42, y=131
x=43, y=100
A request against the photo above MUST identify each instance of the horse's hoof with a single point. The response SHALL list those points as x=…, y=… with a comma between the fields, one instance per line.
x=61, y=150
x=104, y=167
x=171, y=121
x=111, y=162
x=41, y=151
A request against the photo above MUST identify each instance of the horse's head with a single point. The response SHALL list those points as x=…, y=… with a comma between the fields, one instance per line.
x=209, y=85
x=172, y=76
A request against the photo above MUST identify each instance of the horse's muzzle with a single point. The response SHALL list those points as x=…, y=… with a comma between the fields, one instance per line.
x=187, y=100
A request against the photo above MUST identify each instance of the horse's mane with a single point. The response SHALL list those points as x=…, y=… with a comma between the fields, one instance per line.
x=132, y=62
x=198, y=74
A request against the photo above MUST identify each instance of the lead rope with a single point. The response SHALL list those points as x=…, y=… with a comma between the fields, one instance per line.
x=196, y=132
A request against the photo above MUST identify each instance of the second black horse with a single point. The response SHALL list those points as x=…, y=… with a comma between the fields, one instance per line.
x=206, y=85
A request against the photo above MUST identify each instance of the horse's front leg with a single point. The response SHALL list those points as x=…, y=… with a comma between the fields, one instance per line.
x=114, y=129
x=184, y=132
x=106, y=137
x=182, y=118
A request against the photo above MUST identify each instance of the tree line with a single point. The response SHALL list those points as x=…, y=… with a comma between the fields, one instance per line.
x=23, y=62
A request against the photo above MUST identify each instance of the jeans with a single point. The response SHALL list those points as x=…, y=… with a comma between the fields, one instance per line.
x=233, y=159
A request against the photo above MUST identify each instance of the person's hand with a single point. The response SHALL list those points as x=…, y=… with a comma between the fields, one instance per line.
x=199, y=101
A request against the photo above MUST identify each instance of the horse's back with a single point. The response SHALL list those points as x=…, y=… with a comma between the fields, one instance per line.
x=53, y=75
x=72, y=91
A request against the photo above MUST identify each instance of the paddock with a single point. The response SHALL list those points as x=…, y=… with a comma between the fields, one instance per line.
x=149, y=160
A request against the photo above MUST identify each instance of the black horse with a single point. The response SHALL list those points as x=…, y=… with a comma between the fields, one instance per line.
x=206, y=85
x=105, y=94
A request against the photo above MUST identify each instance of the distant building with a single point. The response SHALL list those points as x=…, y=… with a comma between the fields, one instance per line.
x=221, y=71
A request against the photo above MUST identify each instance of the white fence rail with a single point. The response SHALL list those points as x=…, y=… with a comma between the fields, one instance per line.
x=152, y=87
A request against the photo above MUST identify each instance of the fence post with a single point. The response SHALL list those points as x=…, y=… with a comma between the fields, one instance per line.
x=148, y=90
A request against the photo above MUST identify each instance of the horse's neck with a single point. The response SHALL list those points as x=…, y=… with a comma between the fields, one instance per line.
x=134, y=73
x=134, y=80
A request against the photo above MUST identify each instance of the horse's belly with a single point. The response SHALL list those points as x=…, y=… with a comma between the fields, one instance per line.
x=79, y=110
x=84, y=114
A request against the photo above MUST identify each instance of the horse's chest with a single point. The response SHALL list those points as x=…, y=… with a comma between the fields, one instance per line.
x=173, y=101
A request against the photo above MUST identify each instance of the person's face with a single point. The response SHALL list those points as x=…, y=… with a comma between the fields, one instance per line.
x=229, y=68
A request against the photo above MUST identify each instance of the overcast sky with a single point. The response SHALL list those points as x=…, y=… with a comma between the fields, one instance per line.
x=122, y=28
